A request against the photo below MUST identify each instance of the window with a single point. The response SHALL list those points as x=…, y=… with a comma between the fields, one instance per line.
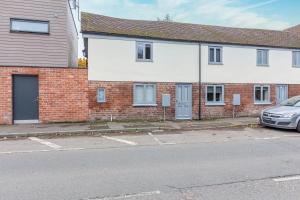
x=144, y=95
x=29, y=26
x=262, y=94
x=144, y=51
x=262, y=57
x=101, y=95
x=215, y=55
x=215, y=94
x=296, y=58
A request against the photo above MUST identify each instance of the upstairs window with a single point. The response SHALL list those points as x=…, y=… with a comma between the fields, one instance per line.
x=29, y=26
x=215, y=55
x=262, y=57
x=296, y=58
x=144, y=51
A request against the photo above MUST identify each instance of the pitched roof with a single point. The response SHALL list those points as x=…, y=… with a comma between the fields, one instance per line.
x=294, y=29
x=99, y=24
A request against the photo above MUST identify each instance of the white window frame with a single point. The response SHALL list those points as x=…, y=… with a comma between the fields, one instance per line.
x=101, y=93
x=215, y=55
x=294, y=58
x=144, y=103
x=143, y=43
x=261, y=102
x=12, y=20
x=262, y=51
x=214, y=102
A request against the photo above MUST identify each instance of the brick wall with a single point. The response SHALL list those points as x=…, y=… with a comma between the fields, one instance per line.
x=62, y=93
x=247, y=107
x=119, y=102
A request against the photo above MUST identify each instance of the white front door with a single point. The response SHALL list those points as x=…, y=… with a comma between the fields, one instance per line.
x=281, y=93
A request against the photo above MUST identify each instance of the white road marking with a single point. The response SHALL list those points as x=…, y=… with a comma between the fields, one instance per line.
x=36, y=151
x=126, y=196
x=44, y=142
x=267, y=138
x=288, y=178
x=120, y=140
x=159, y=141
x=291, y=135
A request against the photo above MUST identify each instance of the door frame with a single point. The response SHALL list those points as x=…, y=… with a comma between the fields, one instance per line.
x=287, y=87
x=13, y=101
x=176, y=111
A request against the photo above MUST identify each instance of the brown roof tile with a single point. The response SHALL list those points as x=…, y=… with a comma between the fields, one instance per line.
x=99, y=24
x=294, y=29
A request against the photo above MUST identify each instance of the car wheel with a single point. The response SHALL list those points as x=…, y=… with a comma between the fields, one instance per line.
x=298, y=127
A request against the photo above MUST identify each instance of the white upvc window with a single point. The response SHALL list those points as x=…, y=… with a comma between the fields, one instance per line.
x=215, y=55
x=214, y=95
x=296, y=58
x=29, y=26
x=262, y=57
x=144, y=94
x=144, y=51
x=262, y=94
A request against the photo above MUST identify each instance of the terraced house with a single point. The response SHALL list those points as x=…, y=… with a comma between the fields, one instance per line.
x=39, y=81
x=203, y=71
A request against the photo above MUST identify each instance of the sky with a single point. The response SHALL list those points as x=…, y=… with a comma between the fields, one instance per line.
x=266, y=14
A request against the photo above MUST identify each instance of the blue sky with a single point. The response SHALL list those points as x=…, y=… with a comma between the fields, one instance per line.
x=267, y=14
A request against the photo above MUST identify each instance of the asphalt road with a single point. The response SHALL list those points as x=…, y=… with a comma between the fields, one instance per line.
x=208, y=165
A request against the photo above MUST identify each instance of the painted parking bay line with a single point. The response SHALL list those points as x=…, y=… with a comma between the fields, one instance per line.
x=159, y=141
x=44, y=142
x=127, y=196
x=120, y=140
x=288, y=178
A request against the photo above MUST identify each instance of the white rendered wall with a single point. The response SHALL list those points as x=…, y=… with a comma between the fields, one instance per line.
x=239, y=66
x=114, y=59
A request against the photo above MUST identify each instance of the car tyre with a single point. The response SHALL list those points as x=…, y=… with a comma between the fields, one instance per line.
x=298, y=127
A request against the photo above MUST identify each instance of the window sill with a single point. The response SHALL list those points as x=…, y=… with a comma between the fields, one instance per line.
x=144, y=105
x=262, y=65
x=262, y=103
x=142, y=60
x=296, y=66
x=215, y=63
x=214, y=104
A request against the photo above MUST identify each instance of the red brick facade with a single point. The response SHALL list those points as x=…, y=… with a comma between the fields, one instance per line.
x=247, y=107
x=62, y=93
x=119, y=102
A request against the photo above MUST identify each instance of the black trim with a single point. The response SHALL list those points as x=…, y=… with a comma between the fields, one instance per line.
x=182, y=40
x=29, y=20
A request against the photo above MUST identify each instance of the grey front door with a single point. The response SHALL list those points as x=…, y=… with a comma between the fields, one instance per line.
x=281, y=93
x=184, y=101
x=25, y=98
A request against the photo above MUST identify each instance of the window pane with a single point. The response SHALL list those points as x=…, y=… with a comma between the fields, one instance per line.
x=218, y=55
x=29, y=26
x=211, y=55
x=265, y=94
x=296, y=58
x=150, y=94
x=264, y=57
x=148, y=51
x=258, y=94
x=210, y=93
x=219, y=94
x=259, y=57
x=139, y=94
x=140, y=51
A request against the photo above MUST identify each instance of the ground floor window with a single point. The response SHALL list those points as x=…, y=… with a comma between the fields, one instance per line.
x=215, y=94
x=262, y=94
x=144, y=94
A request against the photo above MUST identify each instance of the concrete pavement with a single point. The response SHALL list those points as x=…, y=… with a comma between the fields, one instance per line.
x=73, y=129
x=240, y=163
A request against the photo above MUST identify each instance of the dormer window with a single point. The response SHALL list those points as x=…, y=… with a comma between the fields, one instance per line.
x=144, y=51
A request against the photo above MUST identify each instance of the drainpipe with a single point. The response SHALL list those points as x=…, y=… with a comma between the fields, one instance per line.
x=200, y=84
